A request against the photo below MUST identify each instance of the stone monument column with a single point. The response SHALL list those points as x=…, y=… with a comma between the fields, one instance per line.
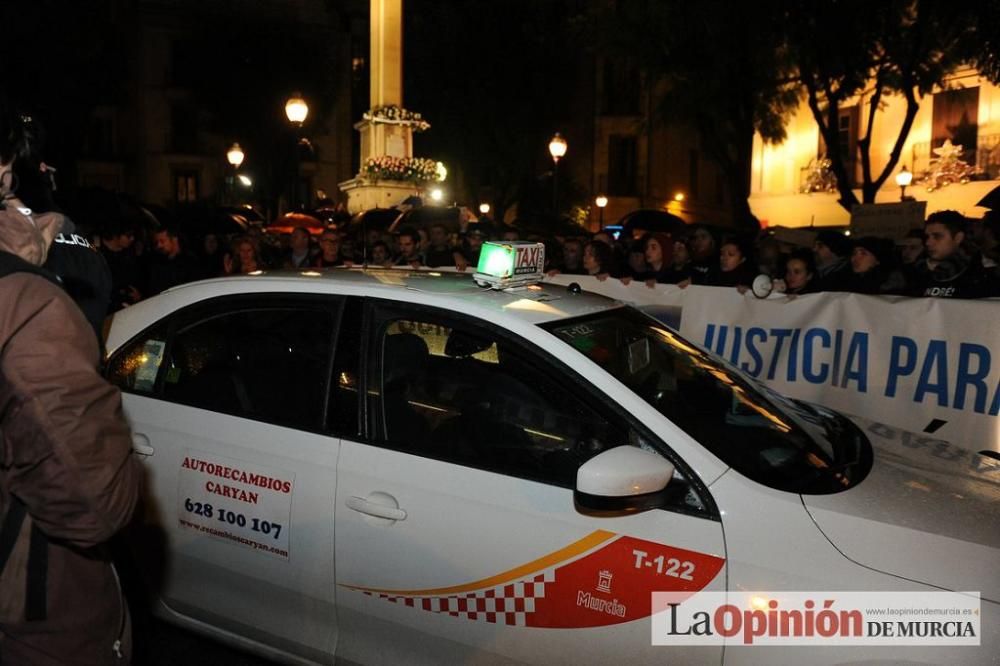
x=386, y=128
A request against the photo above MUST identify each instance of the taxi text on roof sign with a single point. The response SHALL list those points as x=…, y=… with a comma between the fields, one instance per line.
x=510, y=264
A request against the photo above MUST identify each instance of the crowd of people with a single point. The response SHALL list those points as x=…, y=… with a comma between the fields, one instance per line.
x=950, y=257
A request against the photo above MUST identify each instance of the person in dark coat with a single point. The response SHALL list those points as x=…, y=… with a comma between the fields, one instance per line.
x=598, y=259
x=704, y=253
x=68, y=481
x=736, y=266
x=172, y=266
x=660, y=250
x=947, y=271
x=800, y=273
x=871, y=268
x=831, y=251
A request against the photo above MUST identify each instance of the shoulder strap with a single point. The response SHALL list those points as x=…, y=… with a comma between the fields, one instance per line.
x=36, y=581
x=11, y=263
x=11, y=527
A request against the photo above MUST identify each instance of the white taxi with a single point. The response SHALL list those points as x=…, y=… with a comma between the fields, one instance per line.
x=392, y=466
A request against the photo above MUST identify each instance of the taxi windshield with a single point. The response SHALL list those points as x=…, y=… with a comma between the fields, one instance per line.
x=773, y=440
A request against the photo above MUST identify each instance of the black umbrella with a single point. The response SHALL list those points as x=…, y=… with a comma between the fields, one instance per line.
x=548, y=226
x=425, y=217
x=198, y=220
x=991, y=200
x=379, y=219
x=97, y=210
x=651, y=221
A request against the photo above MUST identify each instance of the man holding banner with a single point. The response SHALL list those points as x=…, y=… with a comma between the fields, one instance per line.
x=946, y=271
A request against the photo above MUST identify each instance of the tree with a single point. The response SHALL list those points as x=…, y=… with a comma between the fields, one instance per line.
x=717, y=67
x=847, y=49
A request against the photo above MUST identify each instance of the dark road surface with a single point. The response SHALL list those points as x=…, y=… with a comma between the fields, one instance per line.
x=165, y=645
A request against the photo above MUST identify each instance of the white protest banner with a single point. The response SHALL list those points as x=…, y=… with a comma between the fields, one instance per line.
x=919, y=364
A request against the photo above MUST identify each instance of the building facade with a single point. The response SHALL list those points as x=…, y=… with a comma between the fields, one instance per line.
x=162, y=145
x=964, y=112
x=641, y=161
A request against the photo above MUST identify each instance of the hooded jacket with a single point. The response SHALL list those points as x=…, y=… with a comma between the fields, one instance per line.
x=957, y=276
x=65, y=465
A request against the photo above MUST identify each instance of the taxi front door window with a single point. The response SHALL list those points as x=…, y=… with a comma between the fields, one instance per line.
x=463, y=394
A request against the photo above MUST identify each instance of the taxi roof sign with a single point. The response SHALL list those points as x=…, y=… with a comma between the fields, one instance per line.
x=507, y=264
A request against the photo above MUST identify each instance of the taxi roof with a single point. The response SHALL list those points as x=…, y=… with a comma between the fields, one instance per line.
x=534, y=304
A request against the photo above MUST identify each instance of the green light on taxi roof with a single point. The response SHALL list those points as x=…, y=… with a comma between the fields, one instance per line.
x=497, y=260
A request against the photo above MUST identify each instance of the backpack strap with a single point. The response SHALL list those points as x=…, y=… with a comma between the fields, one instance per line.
x=10, y=528
x=38, y=573
x=11, y=263
x=36, y=583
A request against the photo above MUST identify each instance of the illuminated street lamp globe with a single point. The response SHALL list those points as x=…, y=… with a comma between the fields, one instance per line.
x=437, y=194
x=235, y=156
x=296, y=109
x=557, y=147
x=484, y=209
x=903, y=179
x=601, y=202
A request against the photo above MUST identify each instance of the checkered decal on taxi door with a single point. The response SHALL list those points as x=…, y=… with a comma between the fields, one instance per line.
x=599, y=580
x=506, y=604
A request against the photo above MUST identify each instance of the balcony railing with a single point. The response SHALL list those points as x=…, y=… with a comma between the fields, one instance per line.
x=985, y=156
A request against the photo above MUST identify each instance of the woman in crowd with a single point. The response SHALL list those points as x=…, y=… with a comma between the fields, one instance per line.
x=635, y=261
x=598, y=259
x=658, y=251
x=736, y=268
x=681, y=260
x=212, y=255
x=800, y=273
x=871, y=272
x=245, y=257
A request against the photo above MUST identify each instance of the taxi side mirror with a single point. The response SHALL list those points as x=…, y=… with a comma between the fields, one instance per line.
x=623, y=479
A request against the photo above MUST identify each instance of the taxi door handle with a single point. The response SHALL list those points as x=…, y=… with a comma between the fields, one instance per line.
x=140, y=444
x=368, y=508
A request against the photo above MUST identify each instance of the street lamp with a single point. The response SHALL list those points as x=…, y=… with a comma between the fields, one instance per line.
x=557, y=148
x=296, y=110
x=903, y=179
x=484, y=209
x=601, y=202
x=437, y=194
x=235, y=158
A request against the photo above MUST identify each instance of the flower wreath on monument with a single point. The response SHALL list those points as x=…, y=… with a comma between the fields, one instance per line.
x=397, y=115
x=411, y=169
